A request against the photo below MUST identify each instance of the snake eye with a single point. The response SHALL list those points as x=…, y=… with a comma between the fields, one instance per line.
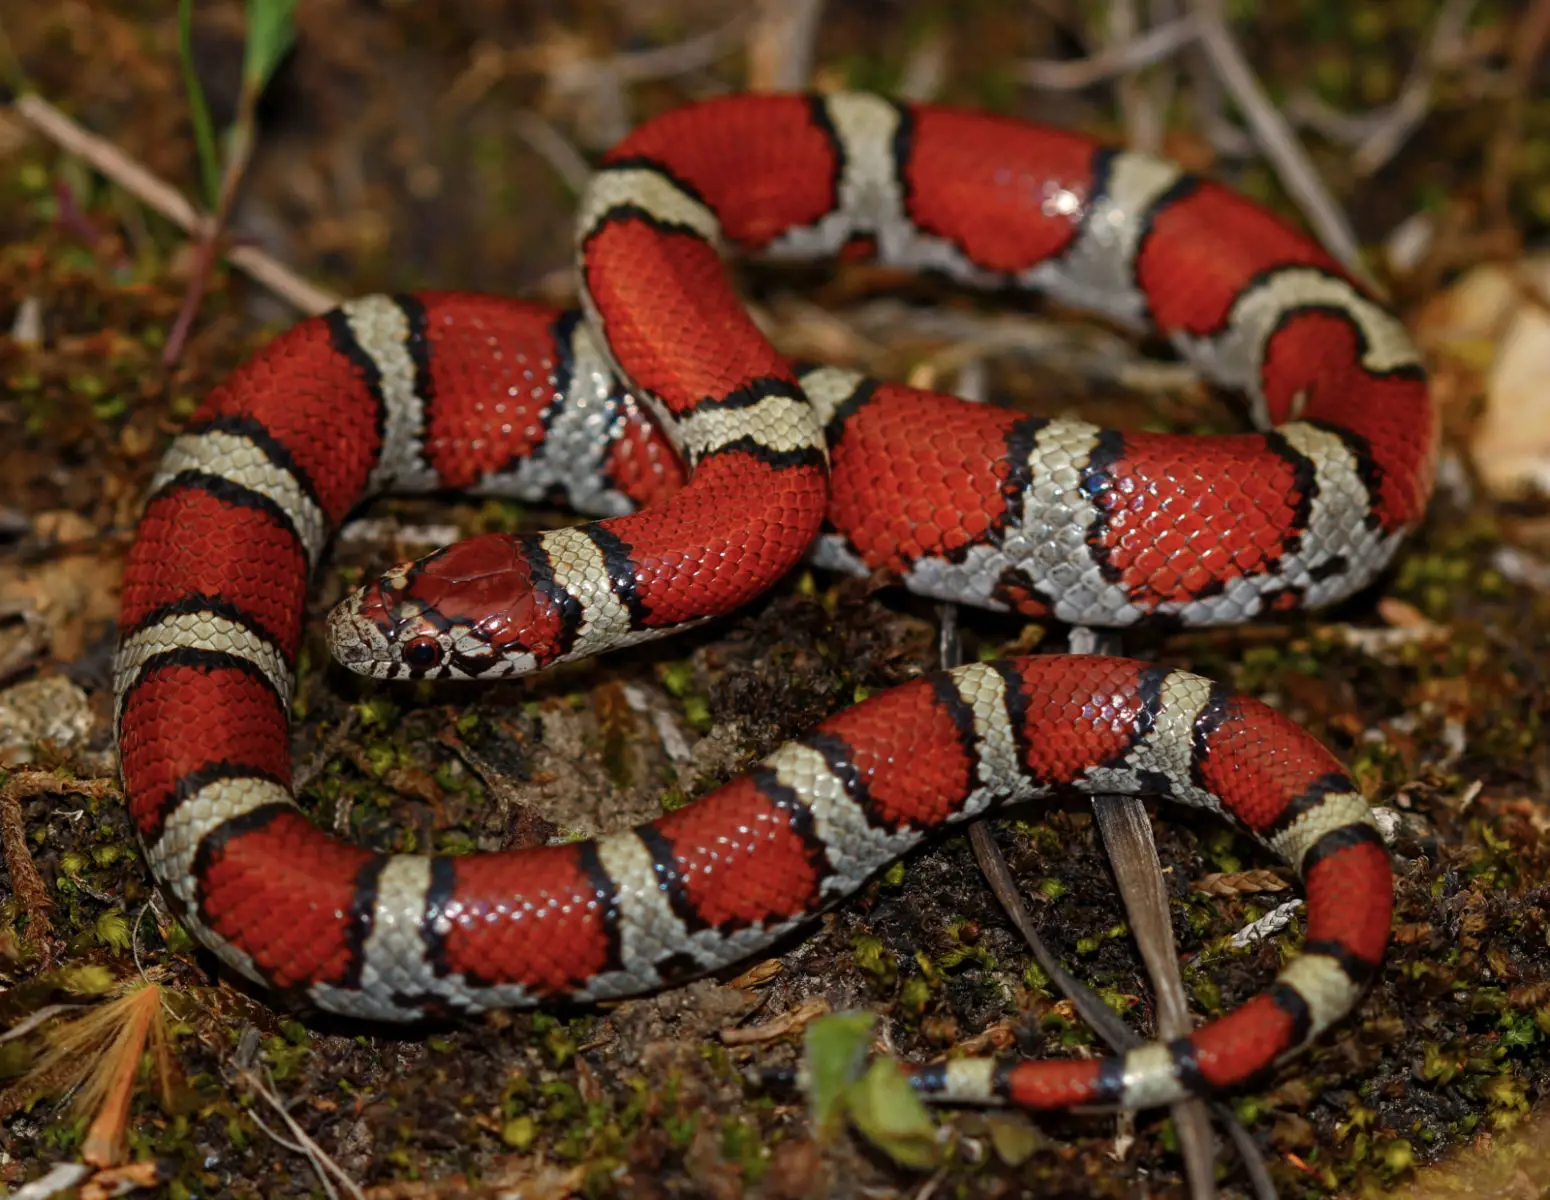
x=422, y=652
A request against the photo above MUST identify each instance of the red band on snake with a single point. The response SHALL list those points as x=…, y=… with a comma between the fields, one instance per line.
x=963, y=502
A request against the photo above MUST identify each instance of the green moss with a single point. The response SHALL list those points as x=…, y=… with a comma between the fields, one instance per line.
x=742, y=1144
x=915, y=994
x=875, y=958
x=1036, y=978
x=111, y=929
x=284, y=1058
x=520, y=1132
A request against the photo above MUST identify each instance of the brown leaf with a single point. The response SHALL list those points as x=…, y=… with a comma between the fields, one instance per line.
x=772, y=1030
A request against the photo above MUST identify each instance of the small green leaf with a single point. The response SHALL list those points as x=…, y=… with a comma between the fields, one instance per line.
x=519, y=1132
x=1013, y=1137
x=834, y=1047
x=889, y=1113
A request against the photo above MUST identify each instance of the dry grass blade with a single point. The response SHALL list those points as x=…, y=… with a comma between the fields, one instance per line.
x=33, y=1020
x=1087, y=1003
x=782, y=45
x=1189, y=1117
x=1127, y=836
x=1376, y=137
x=1279, y=143
x=156, y=193
x=98, y=1055
x=326, y=1169
x=1530, y=38
x=554, y=148
x=1154, y=46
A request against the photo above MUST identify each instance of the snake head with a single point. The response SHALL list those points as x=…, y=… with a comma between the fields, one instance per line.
x=471, y=610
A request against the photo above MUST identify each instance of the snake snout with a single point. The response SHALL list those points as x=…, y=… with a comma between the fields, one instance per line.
x=355, y=640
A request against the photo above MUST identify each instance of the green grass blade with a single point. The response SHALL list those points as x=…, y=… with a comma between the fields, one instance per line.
x=198, y=111
x=271, y=32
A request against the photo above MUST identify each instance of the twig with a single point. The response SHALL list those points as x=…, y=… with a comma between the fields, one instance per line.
x=1142, y=129
x=1415, y=98
x=106, y=158
x=1377, y=136
x=1143, y=109
x=1154, y=46
x=208, y=244
x=1279, y=143
x=664, y=62
x=60, y=1178
x=1308, y=109
x=554, y=148
x=782, y=44
x=39, y=1016
x=1531, y=36
x=1206, y=95
x=1103, y=1020
x=1127, y=835
x=1149, y=126
x=299, y=1142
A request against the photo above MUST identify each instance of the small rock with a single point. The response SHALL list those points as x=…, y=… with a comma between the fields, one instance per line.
x=47, y=709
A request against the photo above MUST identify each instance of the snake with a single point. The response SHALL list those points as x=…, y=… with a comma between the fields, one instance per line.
x=712, y=465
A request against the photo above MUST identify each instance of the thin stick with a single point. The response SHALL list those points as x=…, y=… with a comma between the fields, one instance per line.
x=1377, y=136
x=782, y=45
x=642, y=66
x=106, y=158
x=1158, y=87
x=1278, y=142
x=1531, y=35
x=1154, y=46
x=554, y=148
x=1104, y=1021
x=322, y=1165
x=1127, y=835
x=1415, y=98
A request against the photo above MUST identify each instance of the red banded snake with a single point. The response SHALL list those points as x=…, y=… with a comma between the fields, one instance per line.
x=1046, y=517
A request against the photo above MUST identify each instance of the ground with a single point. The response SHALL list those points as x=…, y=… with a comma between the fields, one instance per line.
x=406, y=146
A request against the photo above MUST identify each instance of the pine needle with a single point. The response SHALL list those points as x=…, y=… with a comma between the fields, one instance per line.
x=98, y=1055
